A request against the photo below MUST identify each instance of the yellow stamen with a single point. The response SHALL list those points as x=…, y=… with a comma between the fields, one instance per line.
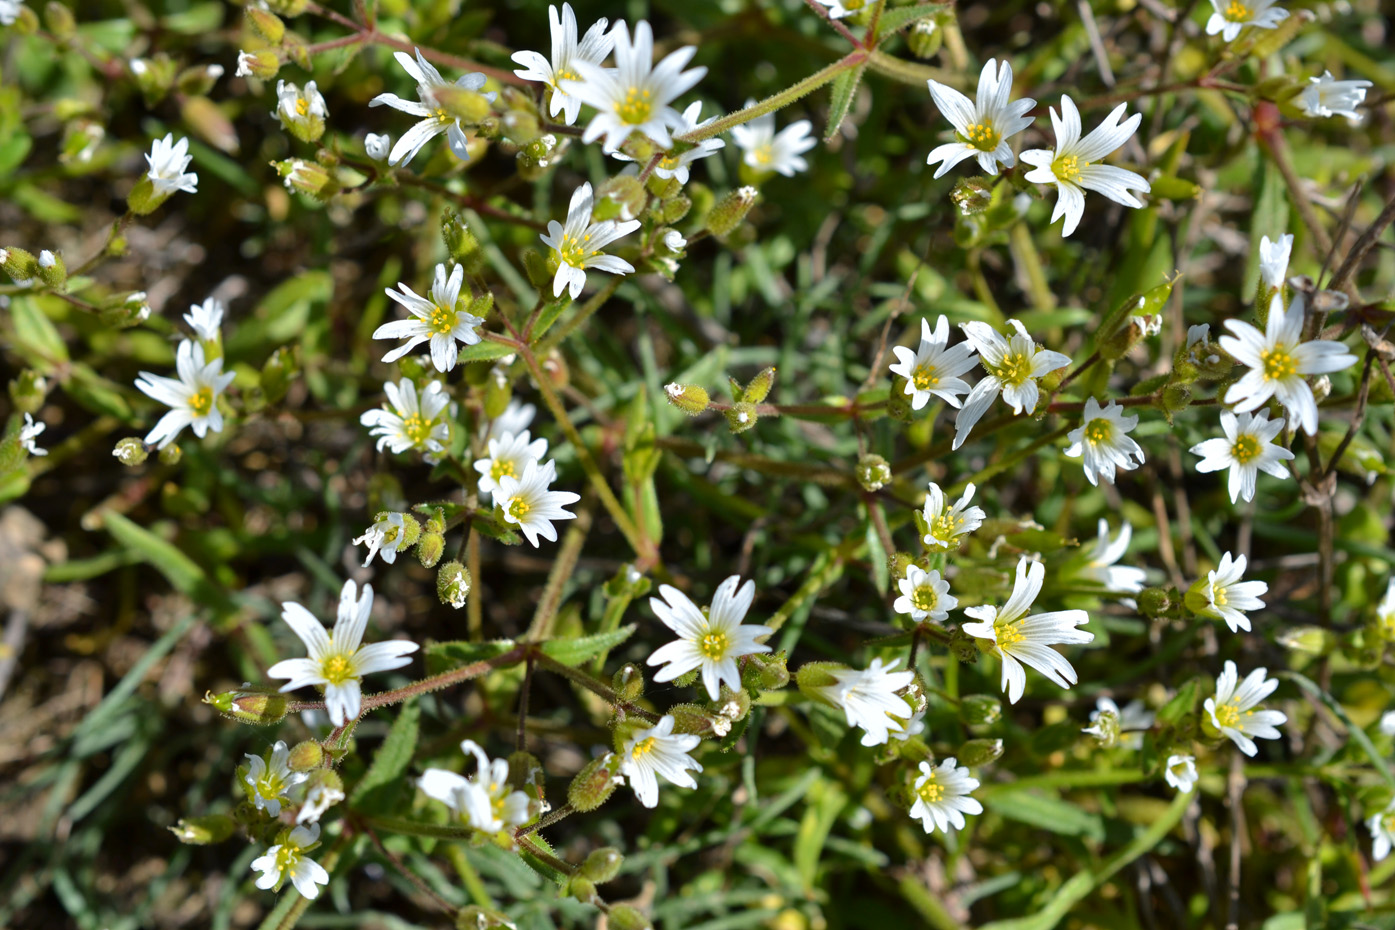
x=337, y=669
x=925, y=377
x=1237, y=12
x=202, y=402
x=1098, y=430
x=1278, y=363
x=713, y=645
x=1006, y=633
x=442, y=321
x=502, y=467
x=1067, y=167
x=1246, y=449
x=1015, y=369
x=643, y=748
x=416, y=428
x=924, y=598
x=982, y=136
x=518, y=508
x=931, y=791
x=636, y=106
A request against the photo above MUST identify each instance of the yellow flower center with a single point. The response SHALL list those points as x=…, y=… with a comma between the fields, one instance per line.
x=574, y=251
x=713, y=645
x=636, y=106
x=564, y=75
x=416, y=428
x=1006, y=633
x=931, y=791
x=202, y=401
x=1278, y=363
x=286, y=858
x=1218, y=596
x=337, y=669
x=982, y=136
x=502, y=467
x=442, y=321
x=669, y=162
x=1067, y=167
x=945, y=527
x=1015, y=369
x=764, y=155
x=643, y=748
x=854, y=5
x=1246, y=449
x=1228, y=714
x=1237, y=12
x=924, y=598
x=302, y=106
x=1098, y=430
x=518, y=508
x=269, y=785
x=925, y=377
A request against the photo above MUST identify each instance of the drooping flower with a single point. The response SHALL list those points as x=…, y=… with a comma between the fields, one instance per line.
x=1076, y=164
x=566, y=50
x=1102, y=441
x=442, y=320
x=1232, y=711
x=205, y=319
x=1280, y=361
x=192, y=397
x=1233, y=15
x=948, y=525
x=167, y=160
x=869, y=700
x=270, y=780
x=412, y=423
x=1100, y=563
x=764, y=149
x=1225, y=595
x=1382, y=827
x=942, y=796
x=337, y=661
x=1327, y=96
x=483, y=800
x=1125, y=725
x=710, y=641
x=675, y=165
x=377, y=146
x=508, y=455
x=434, y=119
x=388, y=535
x=658, y=751
x=1014, y=365
x=578, y=244
x=1180, y=772
x=530, y=504
x=287, y=859
x=1024, y=640
x=1273, y=259
x=302, y=112
x=934, y=368
x=1247, y=448
x=924, y=595
x=982, y=126
x=28, y=433
x=636, y=94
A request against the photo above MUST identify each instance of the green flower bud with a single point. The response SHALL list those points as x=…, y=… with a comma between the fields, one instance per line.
x=741, y=417
x=52, y=271
x=1313, y=640
x=621, y=197
x=689, y=398
x=264, y=64
x=813, y=677
x=582, y=888
x=675, y=208
x=978, y=752
x=537, y=157
x=498, y=391
x=287, y=7
x=602, y=864
x=972, y=196
x=468, y=106
x=663, y=188
x=624, y=917
x=60, y=21
x=538, y=274
x=698, y=720
x=526, y=773
x=1154, y=602
x=773, y=668
x=430, y=549
x=131, y=451
x=964, y=647
x=462, y=245
x=980, y=710
x=171, y=455
x=145, y=198
x=307, y=177
x=198, y=80
x=1104, y=729
x=873, y=472
x=759, y=387
x=628, y=682
x=125, y=310
x=730, y=211
x=21, y=266
x=154, y=76
x=898, y=402
x=595, y=783
x=27, y=23
x=259, y=708
x=453, y=584
x=204, y=831
x=639, y=148
x=27, y=391
x=925, y=38
x=305, y=756
x=266, y=24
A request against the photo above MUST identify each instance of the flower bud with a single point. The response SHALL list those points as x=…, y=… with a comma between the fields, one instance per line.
x=307, y=177
x=287, y=7
x=689, y=398
x=898, y=402
x=675, y=208
x=124, y=310
x=453, y=584
x=154, y=76
x=145, y=198
x=259, y=708
x=305, y=756
x=468, y=106
x=774, y=672
x=978, y=752
x=131, y=451
x=925, y=38
x=979, y=710
x=20, y=265
x=198, y=80
x=622, y=197
x=539, y=155
x=266, y=24
x=628, y=682
x=625, y=917
x=204, y=831
x=972, y=196
x=478, y=918
x=602, y=864
x=60, y=21
x=430, y=549
x=1197, y=601
x=1105, y=729
x=52, y=271
x=964, y=647
x=1154, y=602
x=873, y=472
x=759, y=387
x=81, y=139
x=594, y=784
x=741, y=417
x=535, y=266
x=698, y=720
x=582, y=888
x=730, y=211
x=1313, y=640
x=462, y=245
x=27, y=391
x=171, y=454
x=812, y=677
x=263, y=64
x=555, y=367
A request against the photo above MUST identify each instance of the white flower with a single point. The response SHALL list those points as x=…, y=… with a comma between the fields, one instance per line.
x=1233, y=15
x=411, y=424
x=528, y=502
x=840, y=8
x=634, y=96
x=1226, y=595
x=767, y=150
x=205, y=319
x=934, y=368
x=924, y=595
x=711, y=640
x=1248, y=448
x=946, y=526
x=1180, y=772
x=483, y=800
x=387, y=535
x=1382, y=827
x=1385, y=610
x=434, y=119
x=1232, y=709
x=676, y=165
x=287, y=859
x=516, y=418
x=1102, y=441
x=578, y=244
x=982, y=126
x=318, y=799
x=1387, y=723
x=167, y=160
x=9, y=11
x=1327, y=96
x=942, y=796
x=47, y=259
x=192, y=397
x=295, y=107
x=1075, y=166
x=913, y=727
x=246, y=61
x=1200, y=349
x=337, y=661
x=673, y=241
x=1129, y=722
x=1014, y=366
x=1279, y=362
x=566, y=50
x=657, y=751
x=1020, y=639
x=508, y=455
x=441, y=320
x=869, y=699
x=1099, y=564
x=1273, y=259
x=28, y=433
x=377, y=146
x=269, y=781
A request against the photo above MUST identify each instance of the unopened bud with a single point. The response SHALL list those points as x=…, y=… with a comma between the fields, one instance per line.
x=925, y=38
x=980, y=710
x=262, y=64
x=582, y=888
x=978, y=752
x=622, y=197
x=972, y=196
x=52, y=270
x=730, y=211
x=453, y=584
x=60, y=20
x=131, y=451
x=873, y=472
x=1104, y=728
x=535, y=265
x=898, y=402
x=145, y=198
x=307, y=177
x=123, y=310
x=21, y=266
x=27, y=391
x=171, y=454
x=602, y=864
x=759, y=387
x=287, y=7
x=594, y=784
x=266, y=24
x=204, y=831
x=689, y=398
x=628, y=682
x=813, y=677
x=305, y=756
x=430, y=549
x=1154, y=602
x=625, y=917
x=741, y=417
x=1313, y=640
x=260, y=708
x=539, y=155
x=773, y=668
x=1322, y=388
x=461, y=243
x=697, y=720
x=964, y=647
x=675, y=208
x=1176, y=398
x=154, y=76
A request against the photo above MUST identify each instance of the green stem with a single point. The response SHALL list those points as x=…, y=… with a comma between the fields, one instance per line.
x=908, y=72
x=1010, y=460
x=1025, y=251
x=775, y=101
x=469, y=877
x=595, y=686
x=435, y=683
x=541, y=627
x=417, y=828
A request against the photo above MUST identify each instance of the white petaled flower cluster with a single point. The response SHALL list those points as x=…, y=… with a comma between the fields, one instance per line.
x=945, y=525
x=206, y=319
x=337, y=660
x=1100, y=561
x=566, y=52
x=1232, y=711
x=167, y=160
x=924, y=595
x=1231, y=16
x=509, y=455
x=933, y=370
x=942, y=796
x=1227, y=595
x=296, y=108
x=268, y=780
x=1014, y=366
x=1102, y=441
x=414, y=422
x=657, y=751
x=869, y=700
x=1247, y=449
x=192, y=397
x=442, y=320
x=710, y=640
x=764, y=149
x=483, y=800
x=578, y=244
x=377, y=146
x=1019, y=639
x=982, y=126
x=29, y=433
x=1326, y=96
x=434, y=118
x=287, y=860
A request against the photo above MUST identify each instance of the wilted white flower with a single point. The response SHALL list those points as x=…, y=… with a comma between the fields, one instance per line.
x=1102, y=441
x=287, y=859
x=337, y=662
x=1129, y=721
x=192, y=397
x=1099, y=564
x=387, y=535
x=767, y=150
x=942, y=796
x=1247, y=448
x=658, y=751
x=1180, y=772
x=205, y=319
x=412, y=423
x=711, y=641
x=528, y=502
x=167, y=160
x=1273, y=259
x=441, y=321
x=1022, y=640
x=483, y=800
x=947, y=525
x=28, y=433
x=434, y=119
x=318, y=799
x=1233, y=15
x=566, y=50
x=578, y=244
x=270, y=780
x=1327, y=96
x=377, y=146
x=869, y=700
x=508, y=455
x=1225, y=595
x=298, y=109
x=982, y=126
x=1232, y=711
x=246, y=61
x=924, y=595
x=1014, y=366
x=933, y=370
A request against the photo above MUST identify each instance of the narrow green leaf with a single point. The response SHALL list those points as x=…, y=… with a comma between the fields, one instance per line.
x=898, y=18
x=168, y=559
x=485, y=351
x=1048, y=813
x=576, y=651
x=391, y=761
x=826, y=799
x=1355, y=732
x=441, y=657
x=844, y=92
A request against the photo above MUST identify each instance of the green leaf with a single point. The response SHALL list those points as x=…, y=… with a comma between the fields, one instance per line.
x=13, y=151
x=35, y=334
x=575, y=651
x=1181, y=704
x=1048, y=813
x=1355, y=732
x=441, y=657
x=282, y=315
x=826, y=799
x=878, y=556
x=898, y=18
x=844, y=92
x=168, y=559
x=391, y=761
x=485, y=351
